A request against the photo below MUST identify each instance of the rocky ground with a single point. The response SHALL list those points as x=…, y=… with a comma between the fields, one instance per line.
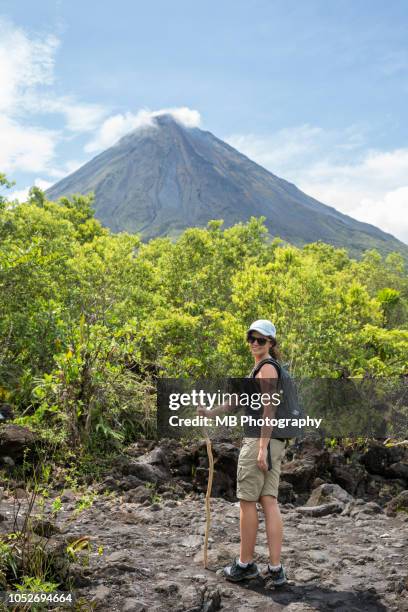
x=152, y=557
x=342, y=551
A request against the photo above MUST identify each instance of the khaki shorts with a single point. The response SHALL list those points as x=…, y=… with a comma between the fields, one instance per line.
x=252, y=482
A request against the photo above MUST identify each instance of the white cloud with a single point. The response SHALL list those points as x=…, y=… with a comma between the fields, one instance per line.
x=27, y=65
x=79, y=117
x=22, y=194
x=283, y=147
x=389, y=213
x=335, y=168
x=24, y=64
x=113, y=128
x=25, y=148
x=184, y=115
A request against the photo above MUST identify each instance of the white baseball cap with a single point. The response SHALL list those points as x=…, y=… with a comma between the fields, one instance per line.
x=263, y=326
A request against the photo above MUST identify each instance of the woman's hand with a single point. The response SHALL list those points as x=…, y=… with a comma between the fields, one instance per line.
x=261, y=461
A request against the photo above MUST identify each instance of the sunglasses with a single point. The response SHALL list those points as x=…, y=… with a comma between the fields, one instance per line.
x=261, y=341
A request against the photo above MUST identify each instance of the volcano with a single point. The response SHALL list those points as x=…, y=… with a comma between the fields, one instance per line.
x=164, y=177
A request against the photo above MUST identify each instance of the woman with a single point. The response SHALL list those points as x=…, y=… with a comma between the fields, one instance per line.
x=256, y=480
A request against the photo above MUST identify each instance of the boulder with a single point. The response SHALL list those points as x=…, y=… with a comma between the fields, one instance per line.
x=397, y=504
x=300, y=474
x=14, y=440
x=133, y=605
x=183, y=461
x=67, y=495
x=286, y=494
x=138, y=495
x=130, y=482
x=6, y=412
x=384, y=489
x=322, y=510
x=150, y=467
x=398, y=470
x=191, y=541
x=20, y=493
x=225, y=470
x=372, y=508
x=45, y=528
x=211, y=600
x=327, y=494
x=359, y=509
x=8, y=462
x=109, y=484
x=317, y=482
x=167, y=587
x=311, y=462
x=102, y=593
x=191, y=598
x=353, y=478
x=378, y=458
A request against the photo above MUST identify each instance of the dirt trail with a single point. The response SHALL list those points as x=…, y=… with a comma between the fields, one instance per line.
x=152, y=559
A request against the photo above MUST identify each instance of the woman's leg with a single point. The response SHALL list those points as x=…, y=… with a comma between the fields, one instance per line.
x=248, y=527
x=273, y=526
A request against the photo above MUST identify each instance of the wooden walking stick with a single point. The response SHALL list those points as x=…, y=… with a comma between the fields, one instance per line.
x=208, y=495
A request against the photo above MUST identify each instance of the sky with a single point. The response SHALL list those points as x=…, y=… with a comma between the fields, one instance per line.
x=315, y=91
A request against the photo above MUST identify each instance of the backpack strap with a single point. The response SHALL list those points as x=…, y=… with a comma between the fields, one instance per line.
x=254, y=372
x=270, y=360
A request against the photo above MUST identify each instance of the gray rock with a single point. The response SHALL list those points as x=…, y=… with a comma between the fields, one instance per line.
x=133, y=605
x=192, y=541
x=151, y=467
x=378, y=458
x=170, y=503
x=323, y=510
x=191, y=598
x=45, y=528
x=166, y=587
x=20, y=493
x=398, y=470
x=305, y=575
x=372, y=508
x=299, y=606
x=15, y=439
x=8, y=461
x=211, y=600
x=299, y=473
x=67, y=495
x=111, y=484
x=138, y=495
x=397, y=504
x=102, y=593
x=130, y=482
x=117, y=555
x=318, y=556
x=329, y=493
x=286, y=493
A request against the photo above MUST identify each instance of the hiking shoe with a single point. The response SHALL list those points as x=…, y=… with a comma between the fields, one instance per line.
x=278, y=577
x=235, y=572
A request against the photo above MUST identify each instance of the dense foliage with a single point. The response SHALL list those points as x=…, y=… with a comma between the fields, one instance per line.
x=86, y=316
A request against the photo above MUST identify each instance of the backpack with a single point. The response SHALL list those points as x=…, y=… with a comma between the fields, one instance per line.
x=290, y=407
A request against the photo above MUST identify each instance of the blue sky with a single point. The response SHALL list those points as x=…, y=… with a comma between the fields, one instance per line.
x=315, y=91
